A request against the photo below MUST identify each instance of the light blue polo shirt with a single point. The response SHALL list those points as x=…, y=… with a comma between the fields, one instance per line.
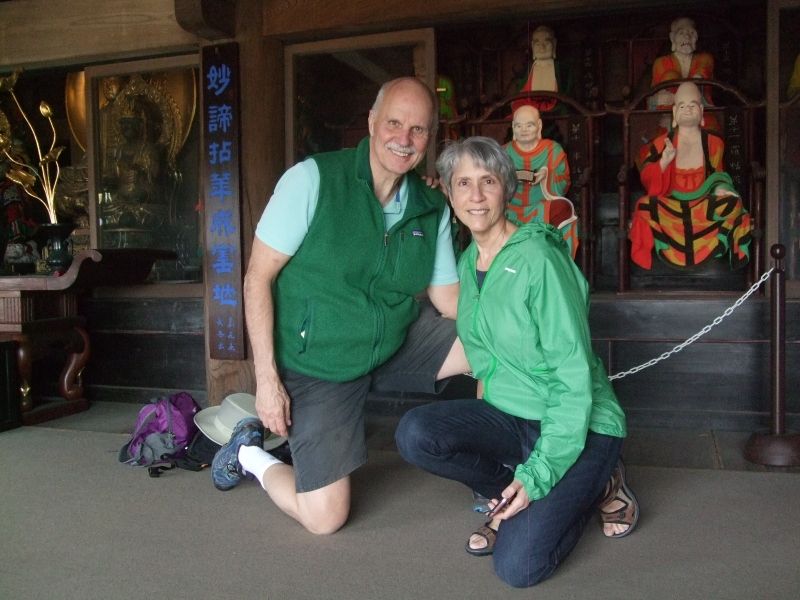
x=284, y=224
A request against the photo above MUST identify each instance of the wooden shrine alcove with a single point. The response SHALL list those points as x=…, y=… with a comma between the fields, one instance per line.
x=737, y=120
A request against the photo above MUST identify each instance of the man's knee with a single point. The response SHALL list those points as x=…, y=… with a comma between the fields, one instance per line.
x=325, y=511
x=325, y=524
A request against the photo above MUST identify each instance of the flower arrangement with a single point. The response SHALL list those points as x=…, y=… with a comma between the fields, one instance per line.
x=38, y=182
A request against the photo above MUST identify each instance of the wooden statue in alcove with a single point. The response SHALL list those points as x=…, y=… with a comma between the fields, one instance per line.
x=547, y=73
x=135, y=173
x=542, y=177
x=692, y=212
x=683, y=62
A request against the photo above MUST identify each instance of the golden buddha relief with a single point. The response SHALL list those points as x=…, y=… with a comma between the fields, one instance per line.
x=141, y=123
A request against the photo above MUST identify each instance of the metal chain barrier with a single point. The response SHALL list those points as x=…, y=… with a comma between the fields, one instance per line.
x=699, y=334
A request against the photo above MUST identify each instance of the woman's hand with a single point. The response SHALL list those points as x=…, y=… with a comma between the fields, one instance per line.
x=519, y=501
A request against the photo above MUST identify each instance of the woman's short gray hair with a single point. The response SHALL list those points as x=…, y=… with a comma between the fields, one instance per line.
x=485, y=153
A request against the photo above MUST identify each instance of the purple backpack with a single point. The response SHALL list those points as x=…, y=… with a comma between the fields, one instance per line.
x=162, y=432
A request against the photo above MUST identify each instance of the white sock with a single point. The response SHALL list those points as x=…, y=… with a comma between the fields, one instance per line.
x=255, y=460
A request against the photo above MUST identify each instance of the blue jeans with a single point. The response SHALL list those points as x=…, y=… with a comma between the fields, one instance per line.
x=472, y=442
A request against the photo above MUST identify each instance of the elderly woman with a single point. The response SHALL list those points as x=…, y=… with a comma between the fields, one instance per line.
x=545, y=438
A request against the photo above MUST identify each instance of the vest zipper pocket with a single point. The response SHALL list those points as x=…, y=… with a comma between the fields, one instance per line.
x=303, y=337
x=399, y=253
x=303, y=331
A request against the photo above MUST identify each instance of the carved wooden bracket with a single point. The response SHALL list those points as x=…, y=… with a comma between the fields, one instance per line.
x=208, y=19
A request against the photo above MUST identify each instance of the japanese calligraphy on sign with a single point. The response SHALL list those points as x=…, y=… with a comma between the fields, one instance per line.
x=576, y=148
x=220, y=67
x=735, y=158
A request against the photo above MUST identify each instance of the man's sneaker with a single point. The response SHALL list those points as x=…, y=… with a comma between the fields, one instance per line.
x=226, y=472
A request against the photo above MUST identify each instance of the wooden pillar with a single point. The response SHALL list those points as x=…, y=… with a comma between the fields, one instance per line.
x=261, y=164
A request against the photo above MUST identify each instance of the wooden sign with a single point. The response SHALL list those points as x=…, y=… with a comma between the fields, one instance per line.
x=221, y=201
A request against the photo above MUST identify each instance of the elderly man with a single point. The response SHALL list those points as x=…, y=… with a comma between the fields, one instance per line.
x=345, y=245
x=691, y=212
x=542, y=177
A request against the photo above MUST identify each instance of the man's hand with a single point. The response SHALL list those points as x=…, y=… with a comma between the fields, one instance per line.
x=273, y=408
x=539, y=176
x=668, y=155
x=272, y=401
x=432, y=182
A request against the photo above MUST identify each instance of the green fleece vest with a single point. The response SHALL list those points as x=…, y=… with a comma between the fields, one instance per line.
x=344, y=301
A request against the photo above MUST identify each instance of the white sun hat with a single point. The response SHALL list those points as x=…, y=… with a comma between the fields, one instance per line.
x=217, y=422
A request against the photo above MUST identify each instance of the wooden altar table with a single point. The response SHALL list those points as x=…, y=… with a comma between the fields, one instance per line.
x=40, y=313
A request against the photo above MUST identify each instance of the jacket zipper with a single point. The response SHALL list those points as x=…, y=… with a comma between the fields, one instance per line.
x=493, y=363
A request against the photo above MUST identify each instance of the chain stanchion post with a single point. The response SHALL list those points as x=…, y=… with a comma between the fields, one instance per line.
x=777, y=447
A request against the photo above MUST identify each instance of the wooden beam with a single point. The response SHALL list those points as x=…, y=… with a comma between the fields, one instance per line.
x=38, y=33
x=207, y=19
x=298, y=20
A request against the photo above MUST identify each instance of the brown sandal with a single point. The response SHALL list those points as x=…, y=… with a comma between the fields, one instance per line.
x=617, y=489
x=489, y=534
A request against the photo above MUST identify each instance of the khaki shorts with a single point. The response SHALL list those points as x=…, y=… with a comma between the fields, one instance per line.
x=327, y=434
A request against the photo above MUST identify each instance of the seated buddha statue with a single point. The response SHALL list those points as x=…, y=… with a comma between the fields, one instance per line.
x=542, y=177
x=691, y=212
x=134, y=175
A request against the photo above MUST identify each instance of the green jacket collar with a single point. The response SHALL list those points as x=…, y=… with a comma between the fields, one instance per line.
x=363, y=170
x=523, y=233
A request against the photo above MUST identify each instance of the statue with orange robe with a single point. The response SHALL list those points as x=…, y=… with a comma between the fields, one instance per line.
x=542, y=178
x=682, y=63
x=691, y=212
